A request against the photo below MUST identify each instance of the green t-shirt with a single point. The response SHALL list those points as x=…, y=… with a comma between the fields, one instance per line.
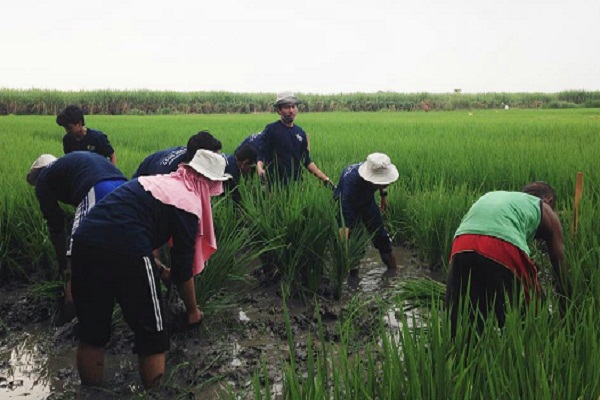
x=511, y=216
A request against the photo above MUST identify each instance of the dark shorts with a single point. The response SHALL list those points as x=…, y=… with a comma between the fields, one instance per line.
x=370, y=216
x=101, y=278
x=483, y=283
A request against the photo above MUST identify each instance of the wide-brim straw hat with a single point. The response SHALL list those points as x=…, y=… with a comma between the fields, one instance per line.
x=41, y=162
x=209, y=164
x=378, y=169
x=286, y=98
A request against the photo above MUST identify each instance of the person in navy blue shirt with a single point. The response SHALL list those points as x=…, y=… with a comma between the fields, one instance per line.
x=356, y=194
x=167, y=161
x=80, y=138
x=253, y=140
x=239, y=164
x=112, y=261
x=284, y=150
x=79, y=179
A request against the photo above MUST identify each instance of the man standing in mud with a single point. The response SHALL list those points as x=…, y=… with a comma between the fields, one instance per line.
x=112, y=261
x=356, y=194
x=78, y=137
x=79, y=179
x=490, y=253
x=284, y=146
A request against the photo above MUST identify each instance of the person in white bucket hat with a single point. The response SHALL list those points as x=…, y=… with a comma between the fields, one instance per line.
x=112, y=260
x=284, y=147
x=79, y=179
x=356, y=194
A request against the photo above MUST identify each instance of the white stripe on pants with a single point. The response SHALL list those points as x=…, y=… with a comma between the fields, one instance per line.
x=88, y=202
x=154, y=295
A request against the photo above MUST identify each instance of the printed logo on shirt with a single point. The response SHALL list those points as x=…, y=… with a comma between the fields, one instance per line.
x=350, y=169
x=298, y=137
x=168, y=160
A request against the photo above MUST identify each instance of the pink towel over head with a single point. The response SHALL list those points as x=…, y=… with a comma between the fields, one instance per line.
x=189, y=191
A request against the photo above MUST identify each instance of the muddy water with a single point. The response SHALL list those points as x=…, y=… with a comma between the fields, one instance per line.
x=37, y=360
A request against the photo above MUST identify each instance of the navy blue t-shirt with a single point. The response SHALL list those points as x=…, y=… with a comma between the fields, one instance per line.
x=288, y=146
x=161, y=162
x=94, y=141
x=232, y=169
x=129, y=220
x=253, y=140
x=354, y=193
x=68, y=180
x=230, y=185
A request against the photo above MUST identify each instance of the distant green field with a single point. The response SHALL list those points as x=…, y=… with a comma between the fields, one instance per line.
x=445, y=160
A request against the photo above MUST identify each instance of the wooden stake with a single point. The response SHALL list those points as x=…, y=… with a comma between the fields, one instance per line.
x=578, y=193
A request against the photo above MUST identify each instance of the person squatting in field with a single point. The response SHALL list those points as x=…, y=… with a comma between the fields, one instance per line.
x=284, y=146
x=239, y=164
x=112, y=260
x=490, y=257
x=79, y=179
x=356, y=194
x=80, y=138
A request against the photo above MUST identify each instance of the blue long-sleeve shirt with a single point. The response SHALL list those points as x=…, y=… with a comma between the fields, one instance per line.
x=354, y=193
x=161, y=162
x=253, y=140
x=285, y=151
x=68, y=180
x=129, y=220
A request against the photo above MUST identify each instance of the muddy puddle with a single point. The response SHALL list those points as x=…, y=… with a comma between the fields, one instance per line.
x=37, y=360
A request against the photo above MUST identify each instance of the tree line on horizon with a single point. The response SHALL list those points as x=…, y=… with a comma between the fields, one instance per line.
x=147, y=102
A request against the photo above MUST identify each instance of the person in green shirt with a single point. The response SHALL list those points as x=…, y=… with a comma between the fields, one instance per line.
x=490, y=257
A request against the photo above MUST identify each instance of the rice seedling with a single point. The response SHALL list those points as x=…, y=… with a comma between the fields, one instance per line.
x=293, y=221
x=216, y=285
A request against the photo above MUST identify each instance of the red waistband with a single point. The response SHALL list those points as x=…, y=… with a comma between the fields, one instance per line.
x=503, y=253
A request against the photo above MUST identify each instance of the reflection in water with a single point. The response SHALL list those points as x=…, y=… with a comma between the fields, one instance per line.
x=28, y=367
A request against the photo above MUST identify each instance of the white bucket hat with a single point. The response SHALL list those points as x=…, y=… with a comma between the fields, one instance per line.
x=286, y=98
x=42, y=162
x=378, y=169
x=209, y=164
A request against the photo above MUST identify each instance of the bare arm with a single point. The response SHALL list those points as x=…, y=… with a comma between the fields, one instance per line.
x=187, y=292
x=312, y=167
x=260, y=168
x=383, y=205
x=550, y=231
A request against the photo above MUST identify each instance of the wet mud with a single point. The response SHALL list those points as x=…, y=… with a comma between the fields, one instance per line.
x=37, y=359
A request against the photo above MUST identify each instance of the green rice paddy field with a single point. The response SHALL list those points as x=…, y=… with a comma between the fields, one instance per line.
x=446, y=160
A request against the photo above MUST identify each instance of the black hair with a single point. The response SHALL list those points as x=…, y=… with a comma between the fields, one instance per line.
x=201, y=140
x=246, y=152
x=70, y=115
x=540, y=189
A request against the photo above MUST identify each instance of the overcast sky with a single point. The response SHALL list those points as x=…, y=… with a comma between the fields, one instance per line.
x=307, y=46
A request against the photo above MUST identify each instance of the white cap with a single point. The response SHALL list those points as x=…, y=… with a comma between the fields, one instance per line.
x=42, y=162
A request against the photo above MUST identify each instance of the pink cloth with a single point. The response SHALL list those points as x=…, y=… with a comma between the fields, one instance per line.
x=189, y=191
